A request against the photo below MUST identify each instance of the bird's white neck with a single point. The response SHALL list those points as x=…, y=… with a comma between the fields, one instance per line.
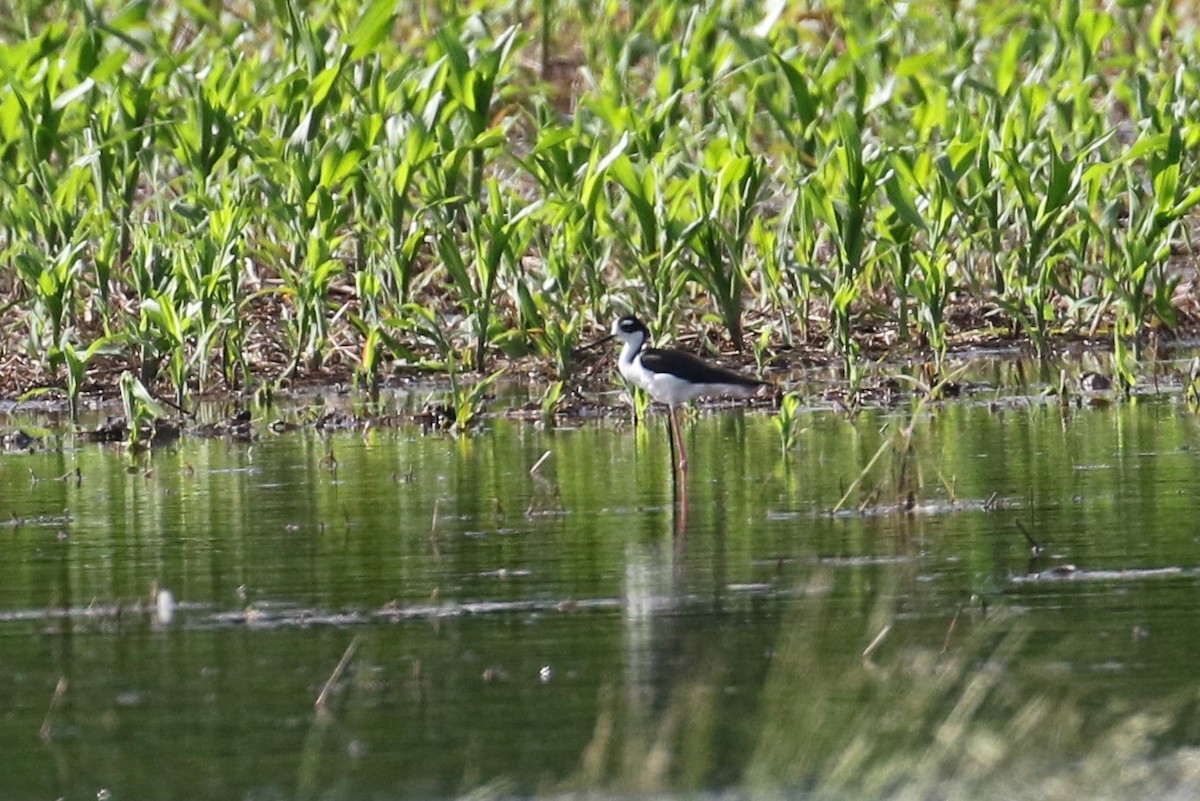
x=629, y=351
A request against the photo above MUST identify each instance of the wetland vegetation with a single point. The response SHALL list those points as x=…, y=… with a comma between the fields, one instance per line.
x=216, y=198
x=955, y=559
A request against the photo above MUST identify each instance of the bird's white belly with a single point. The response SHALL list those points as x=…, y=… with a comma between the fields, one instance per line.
x=670, y=389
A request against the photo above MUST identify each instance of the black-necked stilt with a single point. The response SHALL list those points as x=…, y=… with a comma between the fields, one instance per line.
x=672, y=376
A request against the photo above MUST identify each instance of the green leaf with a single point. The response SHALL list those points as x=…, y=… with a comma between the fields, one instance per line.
x=1187, y=204
x=1147, y=144
x=336, y=166
x=66, y=98
x=323, y=83
x=591, y=182
x=550, y=139
x=1010, y=60
x=803, y=101
x=901, y=197
x=373, y=27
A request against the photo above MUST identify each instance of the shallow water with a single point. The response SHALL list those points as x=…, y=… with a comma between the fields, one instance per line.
x=787, y=633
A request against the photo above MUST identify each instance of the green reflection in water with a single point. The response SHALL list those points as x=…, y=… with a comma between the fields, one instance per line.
x=559, y=633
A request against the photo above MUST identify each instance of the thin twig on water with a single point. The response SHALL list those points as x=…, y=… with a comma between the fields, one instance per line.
x=875, y=643
x=1035, y=547
x=56, y=700
x=533, y=471
x=950, y=631
x=336, y=675
x=433, y=538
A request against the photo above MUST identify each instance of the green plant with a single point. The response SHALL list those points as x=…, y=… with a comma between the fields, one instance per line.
x=52, y=283
x=142, y=411
x=76, y=363
x=469, y=399
x=498, y=236
x=867, y=167
x=854, y=169
x=787, y=422
x=726, y=204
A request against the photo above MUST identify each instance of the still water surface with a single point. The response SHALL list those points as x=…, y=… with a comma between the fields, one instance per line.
x=503, y=634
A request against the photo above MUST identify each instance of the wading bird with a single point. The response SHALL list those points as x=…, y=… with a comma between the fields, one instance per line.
x=673, y=376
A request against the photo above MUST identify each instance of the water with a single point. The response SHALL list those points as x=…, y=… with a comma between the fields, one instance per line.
x=503, y=634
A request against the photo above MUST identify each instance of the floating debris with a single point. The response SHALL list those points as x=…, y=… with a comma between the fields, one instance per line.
x=1072, y=573
x=164, y=607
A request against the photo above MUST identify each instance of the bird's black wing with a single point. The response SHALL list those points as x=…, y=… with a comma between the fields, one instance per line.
x=692, y=368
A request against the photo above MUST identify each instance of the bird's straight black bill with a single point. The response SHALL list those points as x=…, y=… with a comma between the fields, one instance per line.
x=595, y=344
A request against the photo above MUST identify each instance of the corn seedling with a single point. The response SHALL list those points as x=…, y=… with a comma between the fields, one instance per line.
x=469, y=398
x=497, y=237
x=76, y=361
x=552, y=399
x=787, y=422
x=51, y=282
x=1191, y=392
x=726, y=203
x=142, y=411
x=334, y=164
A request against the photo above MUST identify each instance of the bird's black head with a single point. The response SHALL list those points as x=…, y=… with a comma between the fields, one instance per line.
x=630, y=327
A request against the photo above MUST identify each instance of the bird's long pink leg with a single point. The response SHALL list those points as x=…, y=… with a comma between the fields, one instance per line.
x=678, y=440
